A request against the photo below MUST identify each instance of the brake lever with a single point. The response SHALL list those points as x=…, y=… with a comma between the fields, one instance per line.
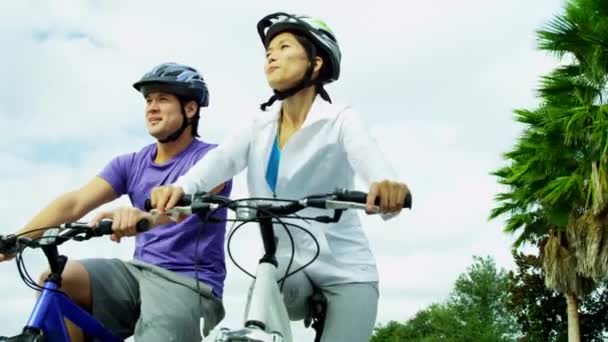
x=8, y=244
x=89, y=234
x=11, y=244
x=327, y=219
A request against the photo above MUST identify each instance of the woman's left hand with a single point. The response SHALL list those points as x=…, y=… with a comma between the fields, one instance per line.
x=390, y=196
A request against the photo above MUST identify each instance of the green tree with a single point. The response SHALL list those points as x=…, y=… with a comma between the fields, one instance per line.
x=541, y=312
x=556, y=174
x=478, y=298
x=474, y=311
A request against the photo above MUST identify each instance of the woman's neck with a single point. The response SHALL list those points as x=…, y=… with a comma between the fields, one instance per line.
x=295, y=108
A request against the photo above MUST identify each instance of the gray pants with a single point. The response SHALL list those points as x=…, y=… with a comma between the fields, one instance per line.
x=351, y=307
x=150, y=303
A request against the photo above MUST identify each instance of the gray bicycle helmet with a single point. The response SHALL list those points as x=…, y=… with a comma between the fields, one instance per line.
x=183, y=81
x=323, y=40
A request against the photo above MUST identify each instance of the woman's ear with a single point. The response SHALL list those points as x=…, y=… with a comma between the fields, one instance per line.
x=318, y=64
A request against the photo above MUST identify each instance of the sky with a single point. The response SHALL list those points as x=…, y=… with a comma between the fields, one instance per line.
x=437, y=82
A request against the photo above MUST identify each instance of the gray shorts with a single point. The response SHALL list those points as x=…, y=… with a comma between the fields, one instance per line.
x=150, y=303
x=351, y=307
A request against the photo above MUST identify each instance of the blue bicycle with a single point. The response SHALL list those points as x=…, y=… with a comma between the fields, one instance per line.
x=46, y=322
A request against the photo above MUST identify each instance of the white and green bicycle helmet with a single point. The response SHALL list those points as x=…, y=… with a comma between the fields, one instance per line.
x=324, y=43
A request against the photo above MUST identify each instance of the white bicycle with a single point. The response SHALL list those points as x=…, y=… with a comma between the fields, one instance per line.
x=266, y=318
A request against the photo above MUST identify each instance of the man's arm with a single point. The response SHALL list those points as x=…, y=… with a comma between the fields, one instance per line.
x=71, y=206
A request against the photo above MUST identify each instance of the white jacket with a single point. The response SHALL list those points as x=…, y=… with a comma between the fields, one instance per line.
x=324, y=154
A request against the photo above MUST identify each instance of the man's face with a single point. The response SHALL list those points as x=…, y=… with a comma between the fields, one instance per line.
x=163, y=114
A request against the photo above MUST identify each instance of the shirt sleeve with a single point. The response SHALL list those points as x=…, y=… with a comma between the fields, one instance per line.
x=362, y=150
x=220, y=164
x=115, y=173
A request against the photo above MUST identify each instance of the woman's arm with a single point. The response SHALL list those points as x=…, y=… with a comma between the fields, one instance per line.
x=367, y=160
x=215, y=168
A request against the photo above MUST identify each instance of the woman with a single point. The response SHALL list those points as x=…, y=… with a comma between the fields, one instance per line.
x=308, y=146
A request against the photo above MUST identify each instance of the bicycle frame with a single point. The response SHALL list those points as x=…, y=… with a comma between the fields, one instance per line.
x=266, y=317
x=266, y=302
x=50, y=310
x=52, y=306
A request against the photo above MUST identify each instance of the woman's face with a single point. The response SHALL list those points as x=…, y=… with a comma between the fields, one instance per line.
x=286, y=61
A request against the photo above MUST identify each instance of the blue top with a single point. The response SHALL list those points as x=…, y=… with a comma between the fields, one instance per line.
x=272, y=169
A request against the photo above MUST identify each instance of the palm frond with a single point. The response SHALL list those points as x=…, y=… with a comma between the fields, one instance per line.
x=531, y=232
x=560, y=36
x=561, y=188
x=556, y=174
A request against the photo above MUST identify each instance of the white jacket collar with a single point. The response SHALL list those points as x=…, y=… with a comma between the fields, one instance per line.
x=319, y=111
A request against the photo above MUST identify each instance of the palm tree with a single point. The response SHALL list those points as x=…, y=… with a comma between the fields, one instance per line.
x=556, y=177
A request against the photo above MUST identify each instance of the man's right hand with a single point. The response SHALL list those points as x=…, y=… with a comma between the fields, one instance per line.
x=166, y=197
x=9, y=250
x=4, y=257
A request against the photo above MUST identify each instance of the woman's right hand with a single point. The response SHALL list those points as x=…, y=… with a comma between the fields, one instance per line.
x=166, y=197
x=124, y=221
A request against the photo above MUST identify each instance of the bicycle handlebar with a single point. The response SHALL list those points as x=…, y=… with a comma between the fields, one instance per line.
x=11, y=244
x=339, y=199
x=266, y=210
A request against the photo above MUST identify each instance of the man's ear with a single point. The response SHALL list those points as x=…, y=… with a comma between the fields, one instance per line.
x=190, y=109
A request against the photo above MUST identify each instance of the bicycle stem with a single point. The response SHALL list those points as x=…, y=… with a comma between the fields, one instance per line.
x=268, y=238
x=57, y=263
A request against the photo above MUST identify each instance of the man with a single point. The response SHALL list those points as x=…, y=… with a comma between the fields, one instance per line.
x=178, y=270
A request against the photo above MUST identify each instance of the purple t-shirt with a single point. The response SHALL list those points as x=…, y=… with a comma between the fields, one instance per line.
x=172, y=246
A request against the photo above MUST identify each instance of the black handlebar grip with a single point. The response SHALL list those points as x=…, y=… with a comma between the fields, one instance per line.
x=142, y=225
x=361, y=197
x=148, y=205
x=185, y=201
x=354, y=196
x=105, y=227
x=8, y=244
x=407, y=202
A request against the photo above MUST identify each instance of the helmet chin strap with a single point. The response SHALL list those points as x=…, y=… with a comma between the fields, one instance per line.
x=305, y=82
x=178, y=133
